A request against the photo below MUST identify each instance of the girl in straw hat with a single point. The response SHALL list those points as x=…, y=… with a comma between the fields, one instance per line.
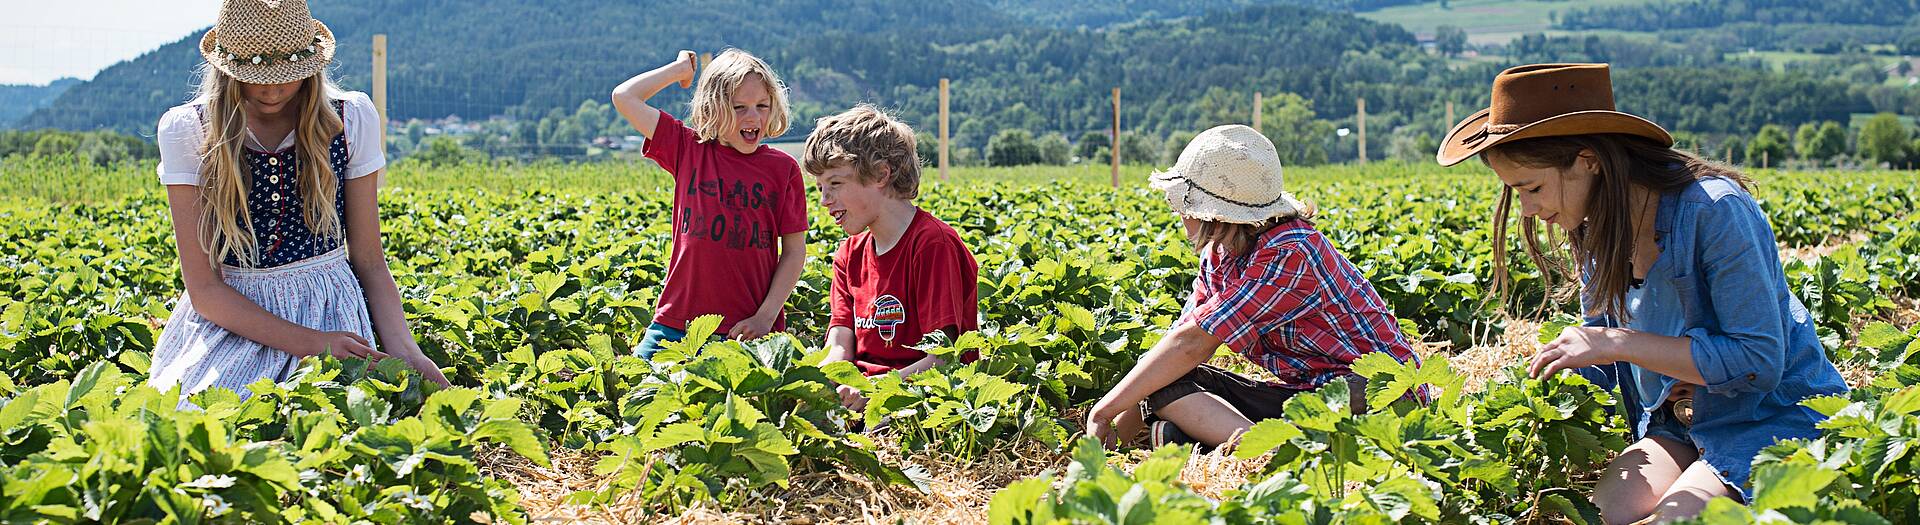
x=271, y=176
x=1270, y=287
x=739, y=207
x=1688, y=310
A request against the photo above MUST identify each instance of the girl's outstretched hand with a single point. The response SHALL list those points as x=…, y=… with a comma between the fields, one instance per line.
x=428, y=369
x=1577, y=346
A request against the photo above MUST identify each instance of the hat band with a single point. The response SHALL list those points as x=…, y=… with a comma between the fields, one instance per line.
x=1203, y=189
x=268, y=59
x=1502, y=129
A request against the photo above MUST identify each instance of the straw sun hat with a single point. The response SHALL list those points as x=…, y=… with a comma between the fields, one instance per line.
x=267, y=41
x=1545, y=100
x=1228, y=174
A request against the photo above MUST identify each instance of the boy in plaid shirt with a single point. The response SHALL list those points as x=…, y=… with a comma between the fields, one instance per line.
x=1270, y=287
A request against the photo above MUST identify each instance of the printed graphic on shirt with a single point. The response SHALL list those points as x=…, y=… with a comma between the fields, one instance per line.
x=888, y=314
x=738, y=231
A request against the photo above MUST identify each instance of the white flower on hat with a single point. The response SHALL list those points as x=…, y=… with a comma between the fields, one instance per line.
x=293, y=57
x=256, y=59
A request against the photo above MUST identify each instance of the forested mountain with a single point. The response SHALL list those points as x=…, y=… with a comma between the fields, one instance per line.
x=18, y=100
x=1079, y=13
x=1046, y=66
x=1684, y=14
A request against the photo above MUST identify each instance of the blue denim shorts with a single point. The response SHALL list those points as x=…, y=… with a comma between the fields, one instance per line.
x=657, y=334
x=1662, y=423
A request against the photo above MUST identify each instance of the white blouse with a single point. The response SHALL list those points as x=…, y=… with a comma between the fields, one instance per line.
x=179, y=137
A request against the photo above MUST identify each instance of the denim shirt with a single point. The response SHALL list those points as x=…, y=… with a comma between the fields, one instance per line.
x=1718, y=281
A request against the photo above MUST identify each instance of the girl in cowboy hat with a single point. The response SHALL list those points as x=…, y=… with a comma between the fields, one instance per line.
x=739, y=207
x=271, y=177
x=1688, y=310
x=1270, y=287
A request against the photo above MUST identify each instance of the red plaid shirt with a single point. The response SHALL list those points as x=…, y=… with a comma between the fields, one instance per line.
x=1294, y=305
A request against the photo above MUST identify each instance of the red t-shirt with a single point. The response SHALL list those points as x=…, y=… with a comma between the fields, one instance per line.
x=928, y=282
x=729, y=211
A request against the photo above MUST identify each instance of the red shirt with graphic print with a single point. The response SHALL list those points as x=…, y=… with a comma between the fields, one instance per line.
x=729, y=211
x=928, y=282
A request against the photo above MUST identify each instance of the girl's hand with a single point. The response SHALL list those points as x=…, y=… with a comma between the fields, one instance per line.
x=751, y=328
x=342, y=345
x=685, y=74
x=428, y=369
x=1577, y=346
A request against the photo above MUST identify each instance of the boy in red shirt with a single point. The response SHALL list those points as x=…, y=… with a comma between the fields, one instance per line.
x=902, y=274
x=739, y=206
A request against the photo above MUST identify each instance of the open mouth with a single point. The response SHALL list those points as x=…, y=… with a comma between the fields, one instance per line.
x=840, y=217
x=750, y=135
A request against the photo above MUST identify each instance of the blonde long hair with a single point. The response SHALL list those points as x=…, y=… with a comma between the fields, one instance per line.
x=225, y=225
x=712, y=113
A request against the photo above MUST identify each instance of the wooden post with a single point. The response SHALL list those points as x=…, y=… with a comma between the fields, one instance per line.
x=943, y=129
x=1764, y=161
x=379, y=93
x=1256, y=111
x=1448, y=125
x=1116, y=137
x=380, y=84
x=1363, y=131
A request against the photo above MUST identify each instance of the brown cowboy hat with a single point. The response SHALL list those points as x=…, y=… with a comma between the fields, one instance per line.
x=1545, y=100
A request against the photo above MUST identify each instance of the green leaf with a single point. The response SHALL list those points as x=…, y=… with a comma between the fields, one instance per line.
x=1884, y=338
x=1786, y=485
x=516, y=435
x=1163, y=466
x=675, y=434
x=1570, y=504
x=549, y=284
x=699, y=331
x=137, y=361
x=1021, y=504
x=1551, y=329
x=1403, y=496
x=1825, y=405
x=846, y=373
x=1905, y=402
x=84, y=383
x=1265, y=436
x=1077, y=315
x=1376, y=365
x=15, y=411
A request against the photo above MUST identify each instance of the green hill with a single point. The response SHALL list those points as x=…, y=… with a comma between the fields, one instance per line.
x=1046, y=66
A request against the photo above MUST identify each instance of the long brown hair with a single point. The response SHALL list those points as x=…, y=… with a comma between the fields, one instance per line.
x=1236, y=239
x=225, y=226
x=1602, y=247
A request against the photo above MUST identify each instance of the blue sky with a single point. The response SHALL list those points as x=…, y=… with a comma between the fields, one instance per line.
x=43, y=40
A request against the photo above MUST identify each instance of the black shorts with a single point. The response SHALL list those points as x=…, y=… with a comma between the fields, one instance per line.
x=1255, y=399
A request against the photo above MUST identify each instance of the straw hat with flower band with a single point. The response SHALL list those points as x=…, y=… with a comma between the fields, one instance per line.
x=267, y=41
x=1545, y=100
x=1228, y=174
